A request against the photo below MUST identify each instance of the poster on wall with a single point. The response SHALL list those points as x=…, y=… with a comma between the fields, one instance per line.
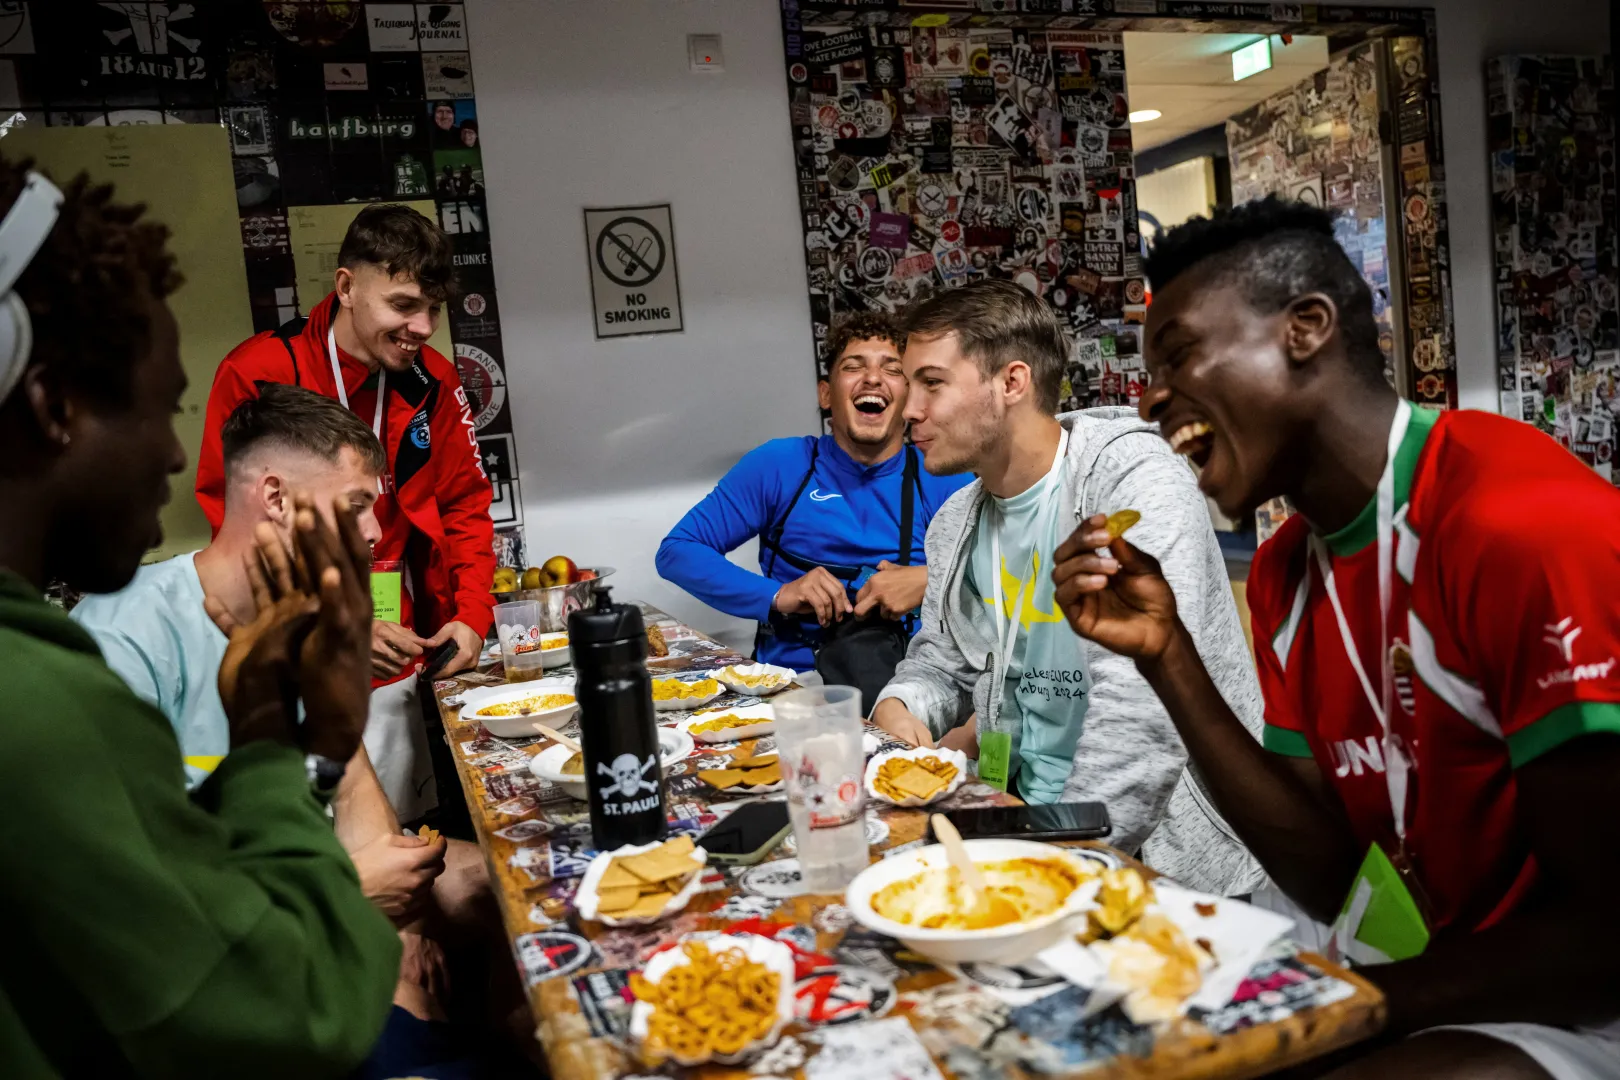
x=1553, y=200
x=634, y=285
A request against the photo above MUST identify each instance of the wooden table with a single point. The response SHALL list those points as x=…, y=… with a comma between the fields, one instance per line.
x=890, y=1010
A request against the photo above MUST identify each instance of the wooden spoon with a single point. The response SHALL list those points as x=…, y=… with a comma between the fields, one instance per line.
x=558, y=737
x=984, y=908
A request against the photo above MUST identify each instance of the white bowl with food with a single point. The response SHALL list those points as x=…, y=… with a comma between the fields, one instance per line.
x=775, y=957
x=730, y=725
x=917, y=898
x=685, y=693
x=588, y=899
x=511, y=712
x=934, y=762
x=555, y=763
x=756, y=680
x=554, y=651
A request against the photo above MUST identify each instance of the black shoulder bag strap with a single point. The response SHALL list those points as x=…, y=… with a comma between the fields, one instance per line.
x=910, y=484
x=286, y=332
x=771, y=540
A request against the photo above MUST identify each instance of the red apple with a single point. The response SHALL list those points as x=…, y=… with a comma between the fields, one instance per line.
x=557, y=570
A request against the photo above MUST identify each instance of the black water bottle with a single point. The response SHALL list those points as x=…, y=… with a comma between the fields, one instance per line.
x=623, y=771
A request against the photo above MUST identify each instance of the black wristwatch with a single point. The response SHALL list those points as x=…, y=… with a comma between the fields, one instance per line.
x=324, y=775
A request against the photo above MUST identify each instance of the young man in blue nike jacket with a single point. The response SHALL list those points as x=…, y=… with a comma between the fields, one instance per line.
x=827, y=511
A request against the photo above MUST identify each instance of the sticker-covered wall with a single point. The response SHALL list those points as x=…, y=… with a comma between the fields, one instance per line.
x=328, y=106
x=1553, y=192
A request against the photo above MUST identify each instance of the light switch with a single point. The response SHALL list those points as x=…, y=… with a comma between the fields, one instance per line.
x=703, y=50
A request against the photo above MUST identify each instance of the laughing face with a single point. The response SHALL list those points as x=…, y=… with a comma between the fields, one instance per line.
x=393, y=319
x=1223, y=389
x=865, y=391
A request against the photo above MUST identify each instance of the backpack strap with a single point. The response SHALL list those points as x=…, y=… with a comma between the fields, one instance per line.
x=771, y=539
x=288, y=330
x=910, y=488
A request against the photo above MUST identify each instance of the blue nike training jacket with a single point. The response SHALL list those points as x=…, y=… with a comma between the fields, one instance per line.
x=847, y=516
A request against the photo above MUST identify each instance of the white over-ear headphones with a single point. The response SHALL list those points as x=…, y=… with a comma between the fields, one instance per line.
x=22, y=233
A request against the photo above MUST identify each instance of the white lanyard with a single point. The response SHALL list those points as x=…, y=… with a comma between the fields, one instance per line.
x=343, y=395
x=1008, y=634
x=1396, y=767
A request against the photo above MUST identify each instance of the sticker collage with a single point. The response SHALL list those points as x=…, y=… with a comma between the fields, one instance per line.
x=324, y=104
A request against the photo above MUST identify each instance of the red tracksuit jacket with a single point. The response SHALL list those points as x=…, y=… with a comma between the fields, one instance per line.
x=439, y=518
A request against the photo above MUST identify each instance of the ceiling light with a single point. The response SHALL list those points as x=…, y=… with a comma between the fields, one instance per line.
x=1252, y=59
x=1142, y=116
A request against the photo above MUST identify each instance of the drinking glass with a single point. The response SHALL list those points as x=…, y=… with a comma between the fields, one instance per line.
x=818, y=739
x=517, y=628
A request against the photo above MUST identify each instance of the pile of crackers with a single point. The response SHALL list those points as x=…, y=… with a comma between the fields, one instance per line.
x=747, y=769
x=726, y=722
x=642, y=886
x=717, y=1003
x=924, y=778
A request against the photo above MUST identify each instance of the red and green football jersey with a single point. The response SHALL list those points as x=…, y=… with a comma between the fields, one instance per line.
x=1504, y=635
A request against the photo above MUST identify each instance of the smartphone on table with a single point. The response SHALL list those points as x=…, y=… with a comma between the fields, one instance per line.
x=1054, y=821
x=747, y=834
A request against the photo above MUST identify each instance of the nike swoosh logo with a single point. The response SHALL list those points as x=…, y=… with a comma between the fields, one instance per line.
x=817, y=495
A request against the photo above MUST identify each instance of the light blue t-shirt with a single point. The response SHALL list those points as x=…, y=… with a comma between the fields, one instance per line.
x=157, y=637
x=1047, y=686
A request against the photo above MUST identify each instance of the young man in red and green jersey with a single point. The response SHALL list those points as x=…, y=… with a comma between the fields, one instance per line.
x=1496, y=663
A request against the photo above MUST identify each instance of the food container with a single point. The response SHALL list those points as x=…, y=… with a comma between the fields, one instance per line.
x=955, y=757
x=762, y=950
x=554, y=651
x=558, y=600
x=778, y=678
x=766, y=725
x=518, y=727
x=1009, y=944
x=585, y=899
x=685, y=704
x=673, y=746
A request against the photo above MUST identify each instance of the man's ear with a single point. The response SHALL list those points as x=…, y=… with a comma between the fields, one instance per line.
x=1310, y=322
x=1014, y=381
x=824, y=393
x=274, y=499
x=343, y=285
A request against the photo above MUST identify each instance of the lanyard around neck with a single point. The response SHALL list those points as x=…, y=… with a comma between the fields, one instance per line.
x=1007, y=634
x=343, y=394
x=1396, y=766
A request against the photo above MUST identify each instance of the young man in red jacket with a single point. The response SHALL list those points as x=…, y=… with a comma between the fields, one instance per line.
x=365, y=344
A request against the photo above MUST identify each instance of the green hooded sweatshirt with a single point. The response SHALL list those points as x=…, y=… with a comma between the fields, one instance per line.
x=152, y=933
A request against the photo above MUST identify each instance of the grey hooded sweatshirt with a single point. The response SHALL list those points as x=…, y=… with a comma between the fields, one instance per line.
x=1129, y=755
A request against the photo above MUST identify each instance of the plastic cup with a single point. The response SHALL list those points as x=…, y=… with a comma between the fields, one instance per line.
x=818, y=738
x=517, y=628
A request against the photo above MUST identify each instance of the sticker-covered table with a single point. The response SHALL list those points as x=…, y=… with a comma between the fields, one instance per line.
x=865, y=1006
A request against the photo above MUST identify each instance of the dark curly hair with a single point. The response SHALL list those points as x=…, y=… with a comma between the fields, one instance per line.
x=89, y=288
x=401, y=241
x=1277, y=250
x=862, y=326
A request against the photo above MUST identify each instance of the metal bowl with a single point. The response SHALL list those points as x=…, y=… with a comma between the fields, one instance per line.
x=557, y=601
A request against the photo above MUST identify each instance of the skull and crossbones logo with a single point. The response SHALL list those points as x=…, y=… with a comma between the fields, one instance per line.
x=628, y=775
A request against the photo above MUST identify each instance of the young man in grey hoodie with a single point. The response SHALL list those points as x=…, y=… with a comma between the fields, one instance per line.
x=995, y=669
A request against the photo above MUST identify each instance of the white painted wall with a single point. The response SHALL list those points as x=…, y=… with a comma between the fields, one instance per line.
x=591, y=104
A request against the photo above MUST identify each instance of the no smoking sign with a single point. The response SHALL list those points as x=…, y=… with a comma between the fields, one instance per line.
x=634, y=286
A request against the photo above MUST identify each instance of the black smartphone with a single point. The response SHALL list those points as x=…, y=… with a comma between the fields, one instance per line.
x=441, y=658
x=1055, y=821
x=747, y=834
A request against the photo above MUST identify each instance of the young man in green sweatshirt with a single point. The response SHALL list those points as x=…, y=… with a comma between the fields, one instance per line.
x=152, y=933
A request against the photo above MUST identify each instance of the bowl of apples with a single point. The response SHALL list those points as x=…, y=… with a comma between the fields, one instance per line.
x=559, y=585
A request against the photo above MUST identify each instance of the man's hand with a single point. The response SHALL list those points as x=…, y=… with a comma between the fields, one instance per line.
x=397, y=872
x=422, y=963
x=894, y=590
x=468, y=646
x=964, y=738
x=1121, y=602
x=257, y=677
x=892, y=716
x=818, y=593
x=393, y=647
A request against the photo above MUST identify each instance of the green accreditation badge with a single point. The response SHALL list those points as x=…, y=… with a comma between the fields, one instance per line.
x=1380, y=921
x=385, y=595
x=995, y=758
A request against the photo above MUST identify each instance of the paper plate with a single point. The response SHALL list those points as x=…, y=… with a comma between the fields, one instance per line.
x=955, y=757
x=689, y=703
x=673, y=746
x=773, y=954
x=766, y=725
x=585, y=900
x=782, y=678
